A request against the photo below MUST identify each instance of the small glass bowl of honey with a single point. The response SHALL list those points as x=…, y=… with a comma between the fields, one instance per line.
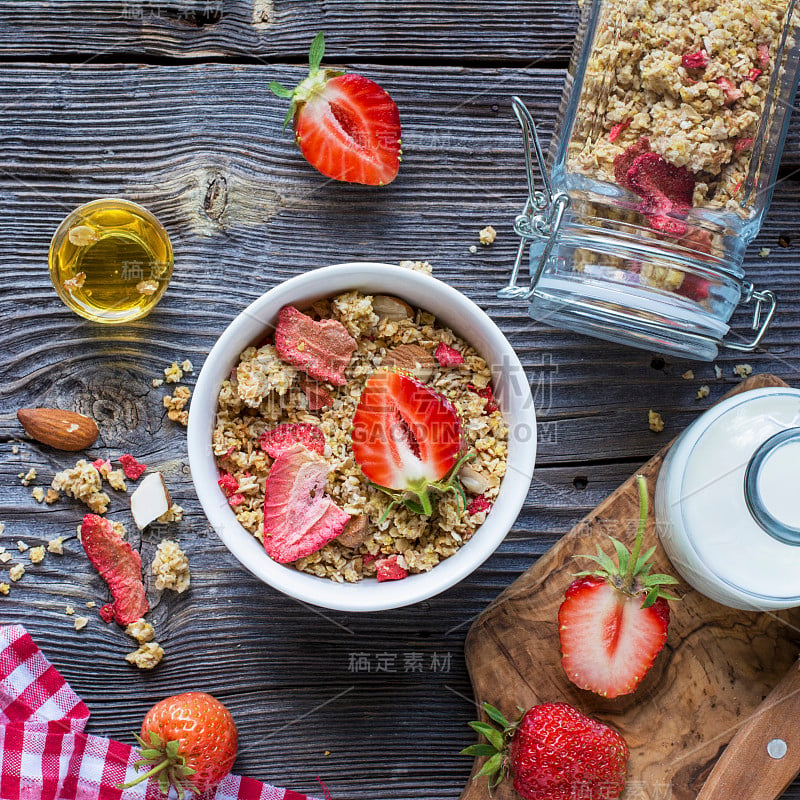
x=111, y=261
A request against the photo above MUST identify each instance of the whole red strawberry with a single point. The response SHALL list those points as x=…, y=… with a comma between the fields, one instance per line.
x=345, y=125
x=188, y=741
x=613, y=622
x=553, y=752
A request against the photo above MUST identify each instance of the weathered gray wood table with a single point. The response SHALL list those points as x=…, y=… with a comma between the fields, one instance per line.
x=166, y=103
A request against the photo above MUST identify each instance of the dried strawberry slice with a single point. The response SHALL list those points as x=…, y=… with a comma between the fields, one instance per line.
x=624, y=161
x=480, y=503
x=614, y=133
x=118, y=564
x=228, y=483
x=698, y=60
x=107, y=612
x=317, y=396
x=763, y=55
x=299, y=518
x=320, y=349
x=286, y=435
x=754, y=74
x=132, y=468
x=487, y=393
x=731, y=90
x=744, y=144
x=665, y=189
x=389, y=570
x=448, y=356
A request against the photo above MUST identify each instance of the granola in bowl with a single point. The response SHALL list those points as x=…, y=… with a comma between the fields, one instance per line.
x=310, y=391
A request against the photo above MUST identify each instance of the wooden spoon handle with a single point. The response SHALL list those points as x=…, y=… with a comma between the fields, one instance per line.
x=763, y=757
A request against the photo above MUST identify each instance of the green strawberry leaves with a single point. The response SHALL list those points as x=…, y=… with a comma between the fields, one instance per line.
x=496, y=751
x=164, y=761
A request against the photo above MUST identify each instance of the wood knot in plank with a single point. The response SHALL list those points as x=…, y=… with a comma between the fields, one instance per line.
x=216, y=198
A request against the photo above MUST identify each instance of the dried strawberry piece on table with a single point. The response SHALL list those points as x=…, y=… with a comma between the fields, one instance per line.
x=299, y=518
x=698, y=60
x=320, y=349
x=107, y=612
x=389, y=570
x=118, y=564
x=448, y=356
x=132, y=468
x=285, y=436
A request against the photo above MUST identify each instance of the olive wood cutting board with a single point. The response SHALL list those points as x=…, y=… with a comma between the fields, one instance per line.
x=717, y=666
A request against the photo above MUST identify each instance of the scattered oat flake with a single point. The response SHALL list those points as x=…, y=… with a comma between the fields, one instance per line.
x=655, y=421
x=75, y=282
x=56, y=546
x=688, y=375
x=81, y=623
x=133, y=469
x=473, y=248
x=703, y=392
x=187, y=365
x=417, y=266
x=69, y=611
x=51, y=496
x=15, y=450
x=36, y=554
x=21, y=546
x=90, y=604
x=16, y=572
x=173, y=514
x=717, y=372
x=116, y=480
x=742, y=370
x=173, y=373
x=147, y=288
x=487, y=235
x=28, y=477
x=38, y=494
x=764, y=252
x=4, y=588
x=157, y=382
x=5, y=557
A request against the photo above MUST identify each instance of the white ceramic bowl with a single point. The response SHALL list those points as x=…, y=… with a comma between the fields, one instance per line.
x=452, y=309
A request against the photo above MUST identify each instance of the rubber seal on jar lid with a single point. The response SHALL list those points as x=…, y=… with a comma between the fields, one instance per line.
x=768, y=486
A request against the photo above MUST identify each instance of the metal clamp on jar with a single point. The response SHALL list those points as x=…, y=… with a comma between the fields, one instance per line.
x=660, y=174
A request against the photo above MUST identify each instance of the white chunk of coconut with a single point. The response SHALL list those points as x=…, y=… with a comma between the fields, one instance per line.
x=150, y=500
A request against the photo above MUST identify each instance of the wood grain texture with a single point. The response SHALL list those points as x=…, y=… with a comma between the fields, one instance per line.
x=716, y=667
x=201, y=145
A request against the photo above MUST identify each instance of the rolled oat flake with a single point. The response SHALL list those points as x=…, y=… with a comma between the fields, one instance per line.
x=660, y=172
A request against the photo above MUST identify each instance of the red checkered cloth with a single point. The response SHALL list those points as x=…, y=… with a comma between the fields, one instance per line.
x=45, y=755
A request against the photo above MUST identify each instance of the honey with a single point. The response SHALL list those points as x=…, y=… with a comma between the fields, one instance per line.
x=111, y=261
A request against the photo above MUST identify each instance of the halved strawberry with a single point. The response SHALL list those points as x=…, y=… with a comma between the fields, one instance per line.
x=613, y=622
x=406, y=438
x=345, y=125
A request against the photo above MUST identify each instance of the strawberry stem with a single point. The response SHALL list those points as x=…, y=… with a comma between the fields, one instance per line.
x=641, y=482
x=145, y=775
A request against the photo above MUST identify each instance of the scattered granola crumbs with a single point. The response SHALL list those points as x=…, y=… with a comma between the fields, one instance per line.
x=157, y=382
x=173, y=373
x=21, y=546
x=36, y=554
x=5, y=557
x=487, y=235
x=742, y=370
x=75, y=282
x=119, y=529
x=16, y=572
x=147, y=656
x=147, y=288
x=764, y=252
x=69, y=611
x=38, y=494
x=655, y=421
x=176, y=405
x=90, y=604
x=688, y=375
x=141, y=630
x=703, y=392
x=15, y=450
x=51, y=496
x=187, y=366
x=171, y=567
x=56, y=546
x=717, y=372
x=326, y=753
x=81, y=623
x=4, y=588
x=417, y=266
x=473, y=248
x=116, y=480
x=83, y=483
x=173, y=514
x=28, y=477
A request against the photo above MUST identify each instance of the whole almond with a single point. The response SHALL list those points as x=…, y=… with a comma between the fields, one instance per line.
x=413, y=359
x=355, y=532
x=63, y=430
x=472, y=480
x=388, y=307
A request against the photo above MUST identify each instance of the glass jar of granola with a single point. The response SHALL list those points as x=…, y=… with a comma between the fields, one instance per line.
x=661, y=170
